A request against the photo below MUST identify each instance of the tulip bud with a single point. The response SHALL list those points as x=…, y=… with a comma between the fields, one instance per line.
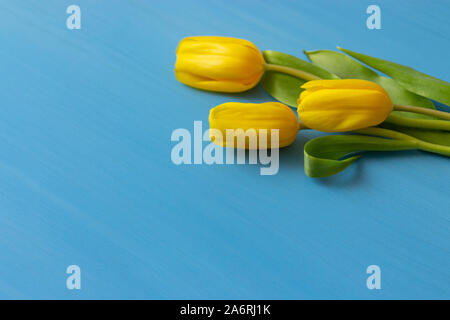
x=219, y=64
x=343, y=105
x=238, y=121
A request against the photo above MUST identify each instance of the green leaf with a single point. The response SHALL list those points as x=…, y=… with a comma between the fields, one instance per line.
x=286, y=88
x=432, y=136
x=324, y=156
x=282, y=87
x=347, y=68
x=413, y=80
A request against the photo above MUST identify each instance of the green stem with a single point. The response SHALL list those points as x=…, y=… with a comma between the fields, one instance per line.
x=419, y=123
x=291, y=71
x=431, y=112
x=420, y=144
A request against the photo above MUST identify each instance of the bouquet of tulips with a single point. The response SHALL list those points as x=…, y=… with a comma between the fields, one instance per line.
x=334, y=92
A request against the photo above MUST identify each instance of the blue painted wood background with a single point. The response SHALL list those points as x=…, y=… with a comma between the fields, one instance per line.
x=86, y=176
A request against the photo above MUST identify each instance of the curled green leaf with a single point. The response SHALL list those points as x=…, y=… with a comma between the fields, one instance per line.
x=325, y=156
x=413, y=80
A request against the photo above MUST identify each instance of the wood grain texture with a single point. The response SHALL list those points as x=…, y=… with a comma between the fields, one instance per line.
x=86, y=176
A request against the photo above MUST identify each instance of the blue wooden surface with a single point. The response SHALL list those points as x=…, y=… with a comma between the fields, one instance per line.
x=86, y=176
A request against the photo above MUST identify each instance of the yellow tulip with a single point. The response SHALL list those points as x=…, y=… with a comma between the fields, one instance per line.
x=242, y=119
x=343, y=105
x=219, y=64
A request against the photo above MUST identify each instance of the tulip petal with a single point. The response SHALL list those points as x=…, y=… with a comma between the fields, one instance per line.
x=332, y=110
x=343, y=84
x=218, y=67
x=214, y=85
x=252, y=116
x=219, y=64
x=220, y=49
x=220, y=40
